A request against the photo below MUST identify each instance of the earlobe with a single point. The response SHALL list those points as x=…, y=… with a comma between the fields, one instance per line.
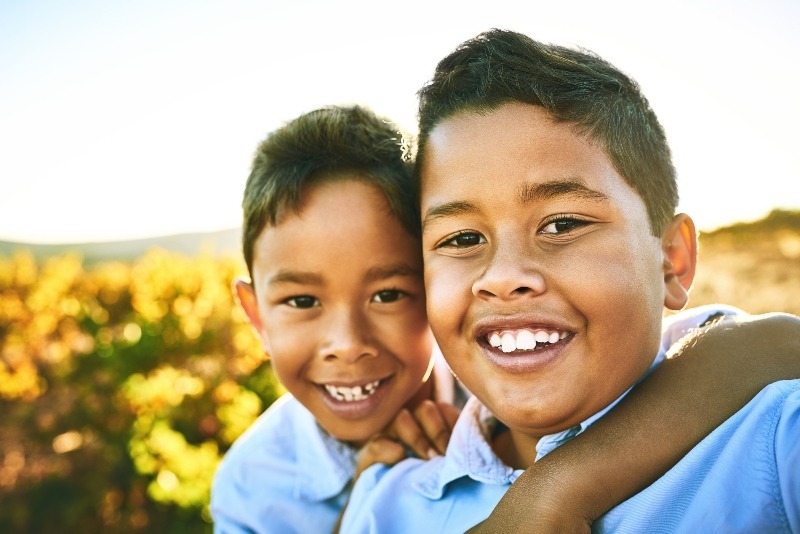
x=247, y=299
x=679, y=246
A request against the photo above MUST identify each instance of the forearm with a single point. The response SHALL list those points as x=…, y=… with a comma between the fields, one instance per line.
x=653, y=427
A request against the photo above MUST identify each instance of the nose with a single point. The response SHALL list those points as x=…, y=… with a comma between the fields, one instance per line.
x=512, y=273
x=348, y=337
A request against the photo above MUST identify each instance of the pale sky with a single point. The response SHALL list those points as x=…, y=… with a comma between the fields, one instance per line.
x=121, y=120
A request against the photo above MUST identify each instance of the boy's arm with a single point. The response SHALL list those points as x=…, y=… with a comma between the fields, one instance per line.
x=652, y=428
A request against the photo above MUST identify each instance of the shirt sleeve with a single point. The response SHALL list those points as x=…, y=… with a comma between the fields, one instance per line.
x=787, y=454
x=676, y=327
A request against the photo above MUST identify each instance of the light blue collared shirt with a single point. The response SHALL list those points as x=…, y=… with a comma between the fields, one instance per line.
x=744, y=477
x=285, y=474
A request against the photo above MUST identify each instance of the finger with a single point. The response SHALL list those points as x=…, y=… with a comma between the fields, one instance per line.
x=436, y=427
x=380, y=450
x=450, y=413
x=406, y=429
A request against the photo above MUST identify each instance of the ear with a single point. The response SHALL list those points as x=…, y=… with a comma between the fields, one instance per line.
x=679, y=246
x=247, y=299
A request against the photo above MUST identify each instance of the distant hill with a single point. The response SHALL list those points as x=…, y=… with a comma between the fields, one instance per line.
x=776, y=220
x=220, y=243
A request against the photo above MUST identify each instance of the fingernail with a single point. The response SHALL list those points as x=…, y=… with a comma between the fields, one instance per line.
x=432, y=454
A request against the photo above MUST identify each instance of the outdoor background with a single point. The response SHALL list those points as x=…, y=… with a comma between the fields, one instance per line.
x=126, y=368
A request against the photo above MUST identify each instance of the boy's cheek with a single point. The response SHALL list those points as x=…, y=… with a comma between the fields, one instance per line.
x=448, y=300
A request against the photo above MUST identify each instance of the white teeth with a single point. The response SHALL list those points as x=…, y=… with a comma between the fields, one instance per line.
x=348, y=394
x=526, y=340
x=542, y=336
x=494, y=340
x=509, y=345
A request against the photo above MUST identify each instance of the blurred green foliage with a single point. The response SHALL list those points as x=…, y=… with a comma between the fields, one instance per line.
x=121, y=387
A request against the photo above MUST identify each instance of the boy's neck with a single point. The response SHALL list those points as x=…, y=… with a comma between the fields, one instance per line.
x=515, y=449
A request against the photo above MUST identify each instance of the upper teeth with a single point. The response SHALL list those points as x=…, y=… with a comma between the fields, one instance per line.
x=350, y=394
x=523, y=339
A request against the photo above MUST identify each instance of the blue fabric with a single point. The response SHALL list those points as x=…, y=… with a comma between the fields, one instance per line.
x=744, y=477
x=284, y=474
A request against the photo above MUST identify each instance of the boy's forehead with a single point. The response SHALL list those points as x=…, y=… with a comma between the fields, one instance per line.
x=517, y=157
x=518, y=137
x=342, y=222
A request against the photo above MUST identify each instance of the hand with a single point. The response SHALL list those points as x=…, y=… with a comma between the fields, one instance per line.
x=426, y=433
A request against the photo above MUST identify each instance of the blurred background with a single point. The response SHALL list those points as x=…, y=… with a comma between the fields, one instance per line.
x=126, y=368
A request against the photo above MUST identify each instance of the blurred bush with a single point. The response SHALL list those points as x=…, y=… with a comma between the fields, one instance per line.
x=121, y=386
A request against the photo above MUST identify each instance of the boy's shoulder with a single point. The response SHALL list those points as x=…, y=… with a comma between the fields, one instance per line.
x=270, y=440
x=275, y=430
x=281, y=467
x=742, y=477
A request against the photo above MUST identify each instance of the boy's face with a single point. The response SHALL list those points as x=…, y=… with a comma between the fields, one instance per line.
x=341, y=307
x=532, y=238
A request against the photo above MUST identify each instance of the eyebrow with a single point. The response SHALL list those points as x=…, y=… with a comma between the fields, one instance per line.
x=383, y=272
x=448, y=209
x=295, y=277
x=527, y=193
x=559, y=188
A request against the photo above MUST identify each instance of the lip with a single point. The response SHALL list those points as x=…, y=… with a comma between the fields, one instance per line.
x=530, y=361
x=356, y=409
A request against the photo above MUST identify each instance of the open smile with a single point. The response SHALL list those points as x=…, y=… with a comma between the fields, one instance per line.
x=354, y=393
x=524, y=339
x=511, y=345
x=355, y=400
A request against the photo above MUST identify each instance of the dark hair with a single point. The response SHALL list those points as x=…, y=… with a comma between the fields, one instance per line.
x=573, y=85
x=324, y=145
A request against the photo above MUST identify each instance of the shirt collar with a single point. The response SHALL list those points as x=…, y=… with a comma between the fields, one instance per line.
x=469, y=454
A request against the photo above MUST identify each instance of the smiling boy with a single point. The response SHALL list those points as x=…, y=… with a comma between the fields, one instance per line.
x=551, y=248
x=337, y=298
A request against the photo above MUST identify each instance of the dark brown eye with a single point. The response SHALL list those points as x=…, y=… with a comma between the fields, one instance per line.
x=303, y=302
x=387, y=295
x=464, y=240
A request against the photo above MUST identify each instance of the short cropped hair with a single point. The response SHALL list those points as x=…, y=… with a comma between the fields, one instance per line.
x=325, y=144
x=574, y=86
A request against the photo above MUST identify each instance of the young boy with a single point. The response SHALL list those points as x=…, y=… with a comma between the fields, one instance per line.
x=331, y=243
x=551, y=247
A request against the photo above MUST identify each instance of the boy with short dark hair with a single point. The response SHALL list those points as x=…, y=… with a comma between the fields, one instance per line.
x=551, y=247
x=331, y=242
